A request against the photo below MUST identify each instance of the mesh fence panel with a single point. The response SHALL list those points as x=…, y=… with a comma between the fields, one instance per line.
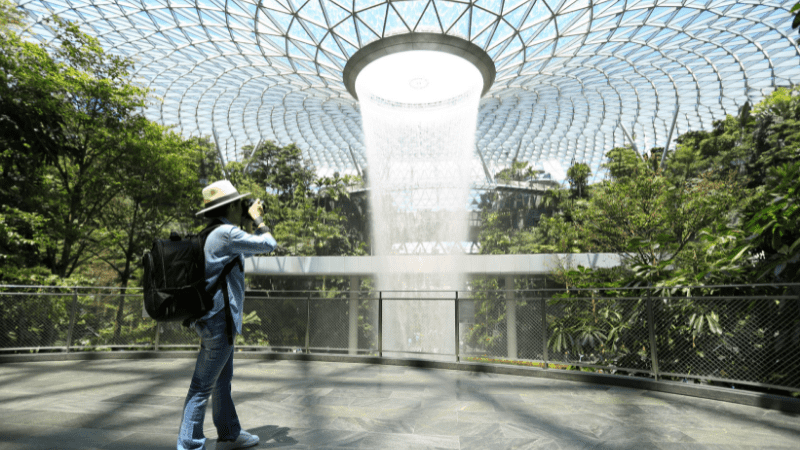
x=419, y=324
x=530, y=329
x=332, y=327
x=277, y=321
x=483, y=331
x=368, y=323
x=111, y=320
x=599, y=328
x=174, y=335
x=34, y=320
x=737, y=338
x=743, y=335
x=329, y=324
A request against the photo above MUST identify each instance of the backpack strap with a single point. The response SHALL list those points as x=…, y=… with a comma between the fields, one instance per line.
x=222, y=280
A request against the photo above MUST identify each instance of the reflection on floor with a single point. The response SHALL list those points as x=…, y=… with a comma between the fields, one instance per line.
x=136, y=404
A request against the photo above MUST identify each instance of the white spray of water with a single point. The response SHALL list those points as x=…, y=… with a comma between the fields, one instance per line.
x=420, y=158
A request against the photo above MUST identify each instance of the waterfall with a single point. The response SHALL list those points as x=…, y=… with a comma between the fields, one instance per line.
x=420, y=151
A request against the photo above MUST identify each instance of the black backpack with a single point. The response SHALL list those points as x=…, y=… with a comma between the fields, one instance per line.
x=174, y=280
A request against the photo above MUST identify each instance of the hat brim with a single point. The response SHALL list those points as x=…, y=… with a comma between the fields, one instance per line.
x=218, y=205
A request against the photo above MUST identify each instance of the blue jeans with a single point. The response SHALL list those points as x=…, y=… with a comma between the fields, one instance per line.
x=212, y=374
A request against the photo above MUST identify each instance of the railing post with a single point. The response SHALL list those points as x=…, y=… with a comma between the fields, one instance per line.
x=545, y=355
x=308, y=320
x=352, y=335
x=458, y=344
x=511, y=318
x=158, y=334
x=651, y=326
x=380, y=324
x=73, y=312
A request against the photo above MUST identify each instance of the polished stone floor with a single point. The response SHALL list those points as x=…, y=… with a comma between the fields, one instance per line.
x=136, y=404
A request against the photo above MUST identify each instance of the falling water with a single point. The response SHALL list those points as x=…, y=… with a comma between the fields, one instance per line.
x=420, y=159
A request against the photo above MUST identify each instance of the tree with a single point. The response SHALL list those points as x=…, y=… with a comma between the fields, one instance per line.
x=158, y=190
x=510, y=217
x=776, y=133
x=10, y=18
x=578, y=175
x=519, y=171
x=650, y=221
x=687, y=162
x=295, y=201
x=772, y=233
x=622, y=162
x=26, y=123
x=23, y=237
x=69, y=110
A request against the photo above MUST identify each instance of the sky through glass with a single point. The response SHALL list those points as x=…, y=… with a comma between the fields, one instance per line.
x=574, y=77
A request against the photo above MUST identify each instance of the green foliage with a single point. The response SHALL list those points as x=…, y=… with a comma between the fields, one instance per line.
x=650, y=220
x=22, y=238
x=722, y=210
x=253, y=332
x=776, y=134
x=68, y=110
x=578, y=176
x=506, y=216
x=623, y=162
x=762, y=150
x=775, y=226
x=158, y=190
x=601, y=328
x=594, y=327
x=10, y=17
x=297, y=201
x=488, y=331
x=519, y=171
x=551, y=235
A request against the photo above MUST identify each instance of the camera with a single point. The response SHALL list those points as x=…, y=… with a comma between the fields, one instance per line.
x=246, y=204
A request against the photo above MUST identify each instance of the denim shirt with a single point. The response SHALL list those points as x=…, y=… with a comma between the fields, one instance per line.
x=223, y=245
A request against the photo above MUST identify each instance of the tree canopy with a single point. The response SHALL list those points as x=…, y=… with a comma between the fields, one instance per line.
x=86, y=167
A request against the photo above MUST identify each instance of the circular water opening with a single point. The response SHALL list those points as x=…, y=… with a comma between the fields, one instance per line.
x=418, y=77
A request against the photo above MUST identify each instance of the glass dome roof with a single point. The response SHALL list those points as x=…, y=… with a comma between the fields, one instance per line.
x=574, y=77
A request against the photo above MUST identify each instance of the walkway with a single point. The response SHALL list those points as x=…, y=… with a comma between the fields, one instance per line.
x=136, y=404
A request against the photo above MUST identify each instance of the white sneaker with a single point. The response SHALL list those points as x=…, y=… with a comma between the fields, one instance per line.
x=244, y=440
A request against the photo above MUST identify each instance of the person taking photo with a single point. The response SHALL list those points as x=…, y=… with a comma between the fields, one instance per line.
x=214, y=368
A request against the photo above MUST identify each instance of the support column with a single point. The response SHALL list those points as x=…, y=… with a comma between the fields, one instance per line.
x=669, y=137
x=352, y=339
x=511, y=317
x=630, y=139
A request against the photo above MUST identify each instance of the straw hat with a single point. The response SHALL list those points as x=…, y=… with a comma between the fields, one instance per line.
x=219, y=193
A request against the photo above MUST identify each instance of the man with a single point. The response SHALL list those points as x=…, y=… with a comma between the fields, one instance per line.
x=214, y=369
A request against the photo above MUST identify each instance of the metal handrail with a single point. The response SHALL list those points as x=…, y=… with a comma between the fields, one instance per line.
x=626, y=288
x=110, y=288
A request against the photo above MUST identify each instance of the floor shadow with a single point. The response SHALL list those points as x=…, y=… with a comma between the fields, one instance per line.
x=273, y=436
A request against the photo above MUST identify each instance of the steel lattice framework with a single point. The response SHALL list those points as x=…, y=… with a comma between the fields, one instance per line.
x=574, y=77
